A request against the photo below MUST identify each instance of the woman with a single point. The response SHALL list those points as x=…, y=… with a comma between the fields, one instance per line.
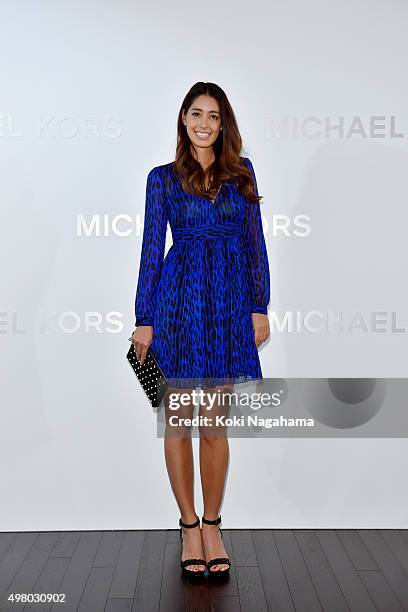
x=203, y=309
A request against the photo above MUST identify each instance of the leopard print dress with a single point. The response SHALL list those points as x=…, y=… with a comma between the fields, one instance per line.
x=200, y=296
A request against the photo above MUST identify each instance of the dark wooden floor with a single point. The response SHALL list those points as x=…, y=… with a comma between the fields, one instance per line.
x=304, y=570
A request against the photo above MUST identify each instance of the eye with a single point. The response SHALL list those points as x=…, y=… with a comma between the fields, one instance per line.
x=195, y=113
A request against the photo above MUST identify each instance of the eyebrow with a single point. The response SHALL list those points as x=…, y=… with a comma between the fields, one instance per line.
x=200, y=109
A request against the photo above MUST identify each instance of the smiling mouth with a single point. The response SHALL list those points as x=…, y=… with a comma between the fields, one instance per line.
x=203, y=135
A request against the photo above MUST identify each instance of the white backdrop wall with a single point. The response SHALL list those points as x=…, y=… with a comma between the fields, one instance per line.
x=89, y=97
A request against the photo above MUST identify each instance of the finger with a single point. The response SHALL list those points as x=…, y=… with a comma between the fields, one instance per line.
x=143, y=354
x=136, y=344
x=261, y=338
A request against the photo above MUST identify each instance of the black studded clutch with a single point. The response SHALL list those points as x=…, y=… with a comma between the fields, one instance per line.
x=150, y=376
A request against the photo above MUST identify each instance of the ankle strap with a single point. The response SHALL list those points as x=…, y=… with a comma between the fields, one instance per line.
x=216, y=522
x=196, y=524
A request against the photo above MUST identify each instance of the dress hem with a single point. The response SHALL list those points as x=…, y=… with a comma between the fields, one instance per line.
x=209, y=381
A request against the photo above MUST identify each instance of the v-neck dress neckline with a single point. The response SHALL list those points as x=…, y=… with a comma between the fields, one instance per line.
x=212, y=200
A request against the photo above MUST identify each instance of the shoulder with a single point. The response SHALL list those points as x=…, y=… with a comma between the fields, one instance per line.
x=249, y=166
x=159, y=173
x=161, y=169
x=246, y=161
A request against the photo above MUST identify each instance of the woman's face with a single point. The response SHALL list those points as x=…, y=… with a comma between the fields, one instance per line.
x=203, y=121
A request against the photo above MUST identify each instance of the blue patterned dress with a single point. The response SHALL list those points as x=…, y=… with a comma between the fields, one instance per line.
x=200, y=297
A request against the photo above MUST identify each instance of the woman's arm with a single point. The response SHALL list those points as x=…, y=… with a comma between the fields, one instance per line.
x=257, y=256
x=154, y=240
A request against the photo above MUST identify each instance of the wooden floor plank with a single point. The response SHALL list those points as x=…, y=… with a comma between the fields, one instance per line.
x=119, y=605
x=77, y=573
x=149, y=579
x=398, y=545
x=14, y=557
x=96, y=590
x=197, y=595
x=327, y=588
x=276, y=588
x=347, y=577
x=30, y=569
x=243, y=547
x=6, y=540
x=356, y=550
x=381, y=593
x=300, y=584
x=251, y=593
x=172, y=587
x=109, y=548
x=173, y=536
x=127, y=567
x=389, y=565
x=227, y=604
x=66, y=544
x=49, y=581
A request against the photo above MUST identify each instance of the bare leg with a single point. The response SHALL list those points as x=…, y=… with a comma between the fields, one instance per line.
x=178, y=453
x=214, y=458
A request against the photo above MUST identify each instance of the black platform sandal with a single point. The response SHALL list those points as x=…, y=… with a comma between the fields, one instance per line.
x=217, y=560
x=186, y=562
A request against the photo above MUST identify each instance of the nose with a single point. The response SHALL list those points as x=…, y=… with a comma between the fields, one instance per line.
x=203, y=122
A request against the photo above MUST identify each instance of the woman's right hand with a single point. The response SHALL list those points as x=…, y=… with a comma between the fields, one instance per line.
x=142, y=338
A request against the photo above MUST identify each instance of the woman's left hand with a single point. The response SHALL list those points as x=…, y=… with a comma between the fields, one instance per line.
x=261, y=327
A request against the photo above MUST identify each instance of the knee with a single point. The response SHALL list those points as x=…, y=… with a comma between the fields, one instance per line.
x=182, y=432
x=212, y=435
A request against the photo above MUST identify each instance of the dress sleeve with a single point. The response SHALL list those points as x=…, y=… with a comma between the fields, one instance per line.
x=153, y=244
x=256, y=253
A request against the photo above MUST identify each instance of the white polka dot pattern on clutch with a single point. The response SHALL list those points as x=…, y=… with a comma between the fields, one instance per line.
x=150, y=376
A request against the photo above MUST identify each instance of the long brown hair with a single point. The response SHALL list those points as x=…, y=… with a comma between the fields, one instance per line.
x=227, y=149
